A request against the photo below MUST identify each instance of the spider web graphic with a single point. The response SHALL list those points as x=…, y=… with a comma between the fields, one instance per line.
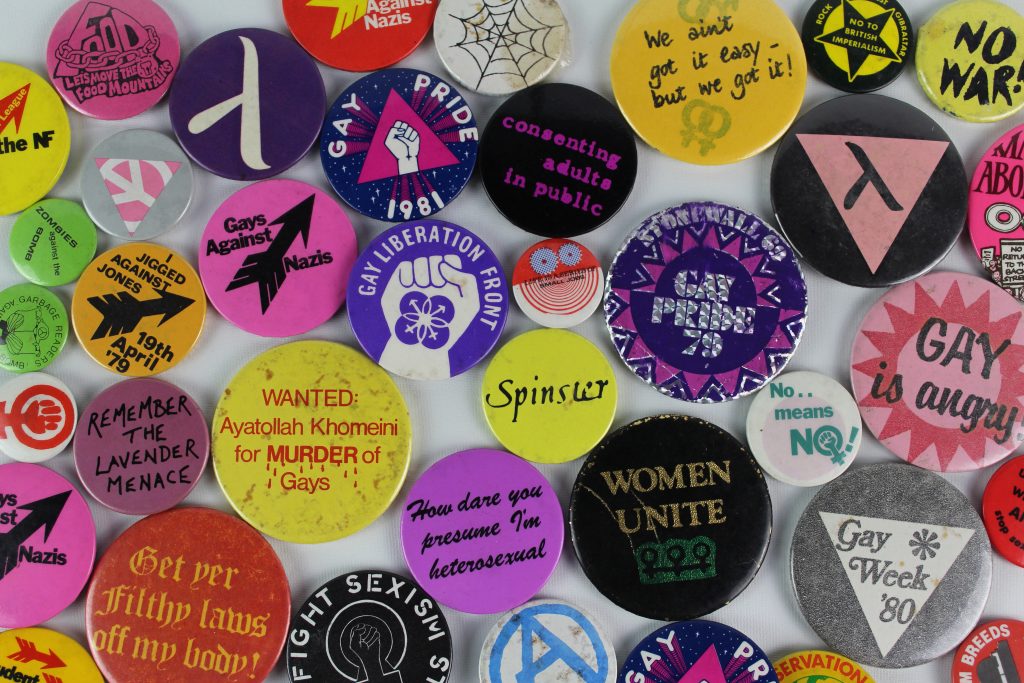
x=505, y=39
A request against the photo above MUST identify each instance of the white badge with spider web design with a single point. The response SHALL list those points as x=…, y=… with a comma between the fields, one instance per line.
x=497, y=47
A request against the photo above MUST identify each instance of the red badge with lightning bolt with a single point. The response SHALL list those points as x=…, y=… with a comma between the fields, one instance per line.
x=40, y=655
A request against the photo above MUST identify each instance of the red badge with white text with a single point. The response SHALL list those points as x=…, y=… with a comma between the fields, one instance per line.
x=993, y=653
x=558, y=283
x=37, y=417
x=1002, y=510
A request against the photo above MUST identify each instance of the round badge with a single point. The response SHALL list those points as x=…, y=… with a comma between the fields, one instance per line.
x=482, y=531
x=968, y=57
x=857, y=45
x=190, y=594
x=891, y=565
x=993, y=653
x=869, y=190
x=33, y=328
x=32, y=655
x=705, y=302
x=995, y=211
x=1002, y=510
x=399, y=145
x=37, y=417
x=136, y=184
x=276, y=257
x=708, y=85
x=113, y=59
x=501, y=46
x=558, y=160
x=311, y=442
x=549, y=395
x=818, y=666
x=138, y=309
x=247, y=104
x=369, y=626
x=35, y=147
x=359, y=36
x=557, y=283
x=141, y=446
x=547, y=641
x=52, y=242
x=936, y=370
x=427, y=300
x=698, y=651
x=47, y=544
x=670, y=517
x=804, y=428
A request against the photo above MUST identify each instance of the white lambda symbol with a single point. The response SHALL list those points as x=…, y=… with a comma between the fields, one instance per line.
x=135, y=185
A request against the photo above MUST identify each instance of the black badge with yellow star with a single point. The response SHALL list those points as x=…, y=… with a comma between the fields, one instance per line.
x=857, y=45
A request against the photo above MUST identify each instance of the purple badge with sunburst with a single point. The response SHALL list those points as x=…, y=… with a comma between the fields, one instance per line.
x=705, y=302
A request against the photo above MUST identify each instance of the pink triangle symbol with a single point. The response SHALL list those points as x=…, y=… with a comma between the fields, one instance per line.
x=382, y=163
x=707, y=669
x=903, y=165
x=135, y=185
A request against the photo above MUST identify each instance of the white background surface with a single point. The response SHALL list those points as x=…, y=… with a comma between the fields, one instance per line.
x=446, y=415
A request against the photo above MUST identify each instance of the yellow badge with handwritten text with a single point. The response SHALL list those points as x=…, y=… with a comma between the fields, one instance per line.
x=708, y=81
x=39, y=655
x=311, y=441
x=549, y=395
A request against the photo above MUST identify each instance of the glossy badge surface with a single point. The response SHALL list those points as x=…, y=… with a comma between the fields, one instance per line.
x=1002, y=510
x=549, y=395
x=818, y=666
x=936, y=370
x=697, y=651
x=995, y=212
x=558, y=283
x=138, y=309
x=275, y=258
x=141, y=446
x=41, y=655
x=546, y=641
x=891, y=565
x=399, y=145
x=993, y=653
x=247, y=104
x=869, y=190
x=113, y=59
x=427, y=299
x=969, y=56
x=500, y=46
x=52, y=242
x=311, y=441
x=47, y=545
x=708, y=82
x=137, y=184
x=33, y=328
x=37, y=417
x=190, y=594
x=35, y=138
x=369, y=626
x=508, y=523
x=670, y=517
x=558, y=160
x=705, y=302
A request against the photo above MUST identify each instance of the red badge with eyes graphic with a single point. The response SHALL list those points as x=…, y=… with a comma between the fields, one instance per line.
x=557, y=283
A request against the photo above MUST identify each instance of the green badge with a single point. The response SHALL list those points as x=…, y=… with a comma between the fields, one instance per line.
x=52, y=242
x=33, y=328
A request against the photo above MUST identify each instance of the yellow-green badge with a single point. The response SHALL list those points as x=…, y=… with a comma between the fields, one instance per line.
x=970, y=60
x=549, y=395
x=311, y=441
x=52, y=242
x=33, y=328
x=708, y=81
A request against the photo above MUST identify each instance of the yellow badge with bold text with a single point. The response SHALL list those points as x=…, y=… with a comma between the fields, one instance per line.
x=818, y=666
x=39, y=655
x=549, y=395
x=708, y=81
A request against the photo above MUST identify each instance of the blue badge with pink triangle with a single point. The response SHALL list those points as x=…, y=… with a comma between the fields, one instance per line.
x=399, y=144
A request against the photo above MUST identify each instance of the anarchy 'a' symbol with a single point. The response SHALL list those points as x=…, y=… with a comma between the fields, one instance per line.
x=704, y=123
x=694, y=11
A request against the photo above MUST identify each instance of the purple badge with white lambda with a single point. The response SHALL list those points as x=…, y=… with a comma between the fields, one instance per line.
x=705, y=302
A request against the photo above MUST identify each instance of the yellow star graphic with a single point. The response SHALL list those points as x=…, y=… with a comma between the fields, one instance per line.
x=347, y=12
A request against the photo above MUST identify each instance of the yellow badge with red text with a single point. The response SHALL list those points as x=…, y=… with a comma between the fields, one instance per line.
x=818, y=666
x=311, y=441
x=708, y=81
x=39, y=655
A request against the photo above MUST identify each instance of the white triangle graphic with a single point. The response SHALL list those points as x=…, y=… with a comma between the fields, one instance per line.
x=893, y=567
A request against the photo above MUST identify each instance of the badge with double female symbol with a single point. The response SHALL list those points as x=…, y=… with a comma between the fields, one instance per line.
x=705, y=302
x=399, y=145
x=137, y=184
x=891, y=565
x=247, y=104
x=558, y=283
x=37, y=417
x=113, y=59
x=993, y=653
x=52, y=242
x=818, y=666
x=545, y=641
x=275, y=258
x=427, y=299
x=33, y=328
x=698, y=652
x=369, y=625
x=39, y=654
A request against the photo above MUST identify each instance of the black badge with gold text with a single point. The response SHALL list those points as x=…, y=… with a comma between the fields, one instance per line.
x=670, y=517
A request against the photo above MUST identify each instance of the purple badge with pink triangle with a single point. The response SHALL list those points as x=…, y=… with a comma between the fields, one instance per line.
x=705, y=302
